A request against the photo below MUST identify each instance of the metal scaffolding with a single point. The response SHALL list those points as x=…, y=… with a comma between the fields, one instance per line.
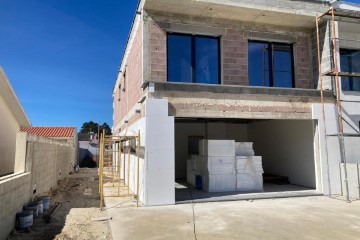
x=113, y=177
x=335, y=15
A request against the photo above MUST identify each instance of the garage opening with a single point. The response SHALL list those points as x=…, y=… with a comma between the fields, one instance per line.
x=283, y=159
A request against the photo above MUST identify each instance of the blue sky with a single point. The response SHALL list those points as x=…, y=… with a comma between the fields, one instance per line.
x=62, y=56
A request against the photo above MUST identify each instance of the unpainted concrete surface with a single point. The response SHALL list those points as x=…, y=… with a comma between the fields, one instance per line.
x=288, y=218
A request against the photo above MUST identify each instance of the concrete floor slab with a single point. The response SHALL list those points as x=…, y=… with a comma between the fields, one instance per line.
x=287, y=218
x=185, y=193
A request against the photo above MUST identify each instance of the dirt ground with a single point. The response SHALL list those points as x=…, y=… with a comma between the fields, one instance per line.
x=75, y=218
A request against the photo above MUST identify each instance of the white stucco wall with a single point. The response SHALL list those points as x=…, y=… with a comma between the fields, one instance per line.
x=159, y=153
x=286, y=147
x=8, y=130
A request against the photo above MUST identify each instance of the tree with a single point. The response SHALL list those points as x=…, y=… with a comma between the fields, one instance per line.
x=91, y=126
x=106, y=127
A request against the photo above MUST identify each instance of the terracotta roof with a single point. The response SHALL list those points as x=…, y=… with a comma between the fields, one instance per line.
x=51, y=131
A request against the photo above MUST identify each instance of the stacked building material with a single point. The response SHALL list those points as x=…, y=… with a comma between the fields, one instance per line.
x=191, y=169
x=248, y=168
x=226, y=166
x=215, y=165
x=244, y=149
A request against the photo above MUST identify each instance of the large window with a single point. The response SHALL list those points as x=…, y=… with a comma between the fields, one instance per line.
x=271, y=64
x=350, y=62
x=194, y=59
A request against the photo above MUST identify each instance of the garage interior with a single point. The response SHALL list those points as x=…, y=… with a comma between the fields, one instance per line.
x=286, y=148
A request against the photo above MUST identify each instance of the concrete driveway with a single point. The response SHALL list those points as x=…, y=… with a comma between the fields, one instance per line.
x=288, y=218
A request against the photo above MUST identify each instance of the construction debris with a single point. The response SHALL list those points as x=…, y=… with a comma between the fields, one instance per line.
x=73, y=219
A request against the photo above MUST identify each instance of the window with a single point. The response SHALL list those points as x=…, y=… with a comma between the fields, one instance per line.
x=271, y=64
x=193, y=59
x=350, y=62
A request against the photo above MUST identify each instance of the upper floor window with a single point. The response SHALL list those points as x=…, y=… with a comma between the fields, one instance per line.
x=271, y=64
x=193, y=58
x=350, y=62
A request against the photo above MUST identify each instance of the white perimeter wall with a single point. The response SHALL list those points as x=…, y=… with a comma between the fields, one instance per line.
x=8, y=130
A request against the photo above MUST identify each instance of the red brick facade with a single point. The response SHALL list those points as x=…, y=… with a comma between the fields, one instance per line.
x=129, y=91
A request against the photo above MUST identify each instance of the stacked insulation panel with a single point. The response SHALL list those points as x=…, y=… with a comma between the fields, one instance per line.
x=248, y=168
x=225, y=166
x=215, y=165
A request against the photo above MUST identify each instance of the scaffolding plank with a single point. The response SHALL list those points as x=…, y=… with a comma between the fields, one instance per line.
x=332, y=73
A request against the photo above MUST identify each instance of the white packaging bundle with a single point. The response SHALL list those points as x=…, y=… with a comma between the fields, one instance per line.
x=190, y=177
x=217, y=148
x=219, y=169
x=217, y=165
x=249, y=182
x=248, y=164
x=244, y=149
x=219, y=183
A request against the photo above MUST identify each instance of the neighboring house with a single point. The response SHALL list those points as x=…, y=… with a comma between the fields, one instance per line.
x=88, y=145
x=12, y=118
x=243, y=70
x=61, y=134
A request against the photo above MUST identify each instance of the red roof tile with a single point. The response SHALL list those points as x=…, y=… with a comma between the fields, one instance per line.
x=51, y=131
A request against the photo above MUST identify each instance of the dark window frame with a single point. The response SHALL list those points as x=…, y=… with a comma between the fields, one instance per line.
x=271, y=62
x=350, y=79
x=193, y=55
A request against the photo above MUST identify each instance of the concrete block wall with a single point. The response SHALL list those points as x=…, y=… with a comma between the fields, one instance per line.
x=41, y=166
x=235, y=57
x=303, y=63
x=50, y=161
x=14, y=192
x=157, y=52
x=234, y=45
x=326, y=55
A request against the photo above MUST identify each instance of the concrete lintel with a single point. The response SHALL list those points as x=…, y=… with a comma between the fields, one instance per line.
x=232, y=89
x=278, y=12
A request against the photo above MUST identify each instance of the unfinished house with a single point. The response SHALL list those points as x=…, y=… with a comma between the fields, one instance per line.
x=221, y=83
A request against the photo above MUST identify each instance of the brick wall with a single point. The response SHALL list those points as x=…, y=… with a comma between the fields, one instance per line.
x=116, y=106
x=130, y=90
x=325, y=52
x=234, y=48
